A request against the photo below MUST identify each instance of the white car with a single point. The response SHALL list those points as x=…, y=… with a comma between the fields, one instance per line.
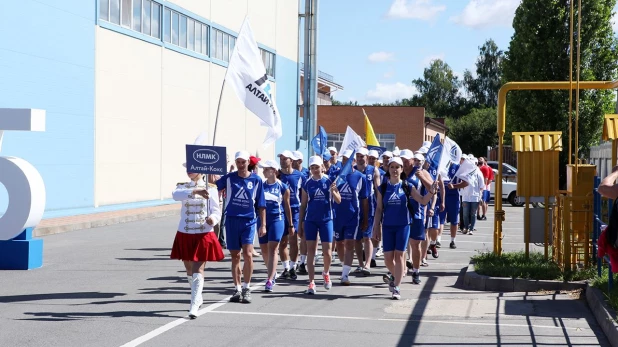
x=509, y=191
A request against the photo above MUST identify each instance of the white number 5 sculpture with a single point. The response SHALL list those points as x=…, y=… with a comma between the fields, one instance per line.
x=26, y=192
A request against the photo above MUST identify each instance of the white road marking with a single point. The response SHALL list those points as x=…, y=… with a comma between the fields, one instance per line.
x=399, y=320
x=149, y=336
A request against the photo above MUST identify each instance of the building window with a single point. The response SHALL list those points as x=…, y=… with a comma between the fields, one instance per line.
x=269, y=62
x=185, y=32
x=334, y=140
x=139, y=15
x=224, y=45
x=386, y=140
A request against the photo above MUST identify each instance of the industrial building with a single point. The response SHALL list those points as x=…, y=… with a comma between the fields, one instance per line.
x=127, y=83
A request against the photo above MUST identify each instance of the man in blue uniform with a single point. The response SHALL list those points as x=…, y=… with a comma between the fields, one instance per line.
x=245, y=201
x=364, y=239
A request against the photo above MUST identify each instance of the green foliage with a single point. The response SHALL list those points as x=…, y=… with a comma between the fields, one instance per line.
x=539, y=51
x=483, y=89
x=475, y=131
x=601, y=283
x=439, y=91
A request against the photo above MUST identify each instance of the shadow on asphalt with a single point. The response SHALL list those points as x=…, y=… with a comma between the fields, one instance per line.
x=59, y=296
x=69, y=316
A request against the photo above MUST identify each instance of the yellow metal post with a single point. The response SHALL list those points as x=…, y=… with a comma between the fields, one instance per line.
x=504, y=90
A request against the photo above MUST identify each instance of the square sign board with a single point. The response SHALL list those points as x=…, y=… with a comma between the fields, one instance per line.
x=210, y=160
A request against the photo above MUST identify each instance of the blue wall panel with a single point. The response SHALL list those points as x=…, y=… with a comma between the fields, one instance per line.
x=47, y=61
x=287, y=94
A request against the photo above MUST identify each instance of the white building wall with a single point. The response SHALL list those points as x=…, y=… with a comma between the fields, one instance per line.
x=151, y=101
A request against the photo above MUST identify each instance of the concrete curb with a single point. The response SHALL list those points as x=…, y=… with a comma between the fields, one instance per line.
x=101, y=221
x=605, y=315
x=474, y=281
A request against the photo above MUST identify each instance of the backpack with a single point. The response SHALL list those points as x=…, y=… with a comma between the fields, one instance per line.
x=612, y=227
x=406, y=189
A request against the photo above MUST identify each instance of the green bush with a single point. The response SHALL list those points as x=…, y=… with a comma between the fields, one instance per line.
x=601, y=283
x=516, y=265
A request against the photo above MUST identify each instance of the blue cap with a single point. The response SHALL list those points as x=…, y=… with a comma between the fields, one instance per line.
x=326, y=156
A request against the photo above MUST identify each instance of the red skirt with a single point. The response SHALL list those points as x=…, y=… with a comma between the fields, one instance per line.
x=197, y=247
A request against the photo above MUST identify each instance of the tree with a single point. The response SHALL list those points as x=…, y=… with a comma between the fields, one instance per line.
x=439, y=91
x=539, y=51
x=474, y=131
x=483, y=90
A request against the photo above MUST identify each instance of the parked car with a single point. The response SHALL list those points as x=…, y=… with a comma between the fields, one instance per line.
x=509, y=191
x=509, y=173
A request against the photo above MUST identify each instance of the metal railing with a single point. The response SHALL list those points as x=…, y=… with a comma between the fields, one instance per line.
x=321, y=74
x=597, y=228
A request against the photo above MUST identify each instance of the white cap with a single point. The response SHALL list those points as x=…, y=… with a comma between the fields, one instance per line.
x=423, y=150
x=395, y=160
x=347, y=153
x=315, y=160
x=387, y=154
x=269, y=163
x=426, y=144
x=287, y=154
x=363, y=151
x=406, y=154
x=419, y=156
x=475, y=160
x=374, y=153
x=242, y=155
x=396, y=152
x=332, y=149
x=298, y=155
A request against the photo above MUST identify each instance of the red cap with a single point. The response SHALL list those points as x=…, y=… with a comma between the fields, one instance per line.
x=254, y=160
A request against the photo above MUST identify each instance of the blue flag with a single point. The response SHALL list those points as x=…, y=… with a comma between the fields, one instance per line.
x=434, y=154
x=377, y=148
x=346, y=169
x=319, y=142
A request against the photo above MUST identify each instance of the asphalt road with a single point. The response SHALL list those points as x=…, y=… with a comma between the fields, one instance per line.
x=116, y=286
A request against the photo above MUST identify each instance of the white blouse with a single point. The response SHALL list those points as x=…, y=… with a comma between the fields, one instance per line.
x=195, y=209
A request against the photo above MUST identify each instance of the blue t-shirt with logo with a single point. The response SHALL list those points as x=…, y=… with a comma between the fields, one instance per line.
x=395, y=210
x=333, y=171
x=273, y=194
x=370, y=172
x=413, y=181
x=244, y=195
x=452, y=170
x=352, y=191
x=295, y=182
x=320, y=202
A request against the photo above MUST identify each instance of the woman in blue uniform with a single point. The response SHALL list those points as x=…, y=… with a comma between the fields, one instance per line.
x=316, y=212
x=393, y=218
x=277, y=196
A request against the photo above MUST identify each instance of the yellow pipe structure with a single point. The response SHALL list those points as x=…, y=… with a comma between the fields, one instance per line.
x=512, y=86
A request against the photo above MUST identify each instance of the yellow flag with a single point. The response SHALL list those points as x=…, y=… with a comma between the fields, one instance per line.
x=372, y=140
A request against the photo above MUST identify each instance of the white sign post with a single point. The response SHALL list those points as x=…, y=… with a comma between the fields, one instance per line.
x=26, y=190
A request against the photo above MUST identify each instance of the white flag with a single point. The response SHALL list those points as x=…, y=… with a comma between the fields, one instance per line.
x=466, y=170
x=451, y=154
x=246, y=75
x=351, y=141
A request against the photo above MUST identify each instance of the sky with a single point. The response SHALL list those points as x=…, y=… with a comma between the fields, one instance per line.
x=375, y=48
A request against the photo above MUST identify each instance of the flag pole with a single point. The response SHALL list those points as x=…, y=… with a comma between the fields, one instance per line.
x=214, y=135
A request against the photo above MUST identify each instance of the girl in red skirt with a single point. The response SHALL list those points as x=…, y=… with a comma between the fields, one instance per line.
x=196, y=242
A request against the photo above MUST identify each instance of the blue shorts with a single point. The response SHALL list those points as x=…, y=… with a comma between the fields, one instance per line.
x=434, y=221
x=417, y=230
x=452, y=207
x=346, y=232
x=239, y=231
x=274, y=231
x=324, y=228
x=368, y=232
x=442, y=216
x=486, y=195
x=295, y=219
x=395, y=238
